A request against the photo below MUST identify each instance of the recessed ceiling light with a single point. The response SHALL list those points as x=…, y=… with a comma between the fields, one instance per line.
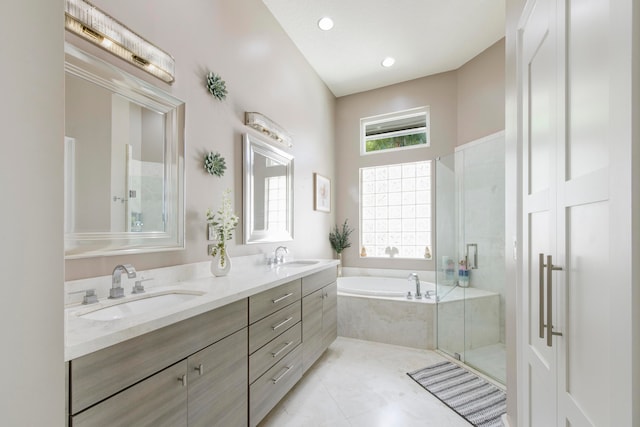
x=325, y=23
x=388, y=62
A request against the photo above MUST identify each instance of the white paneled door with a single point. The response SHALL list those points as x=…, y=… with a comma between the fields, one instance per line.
x=564, y=360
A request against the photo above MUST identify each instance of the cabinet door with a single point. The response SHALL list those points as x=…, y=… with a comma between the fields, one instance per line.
x=569, y=297
x=540, y=133
x=312, y=331
x=329, y=315
x=218, y=379
x=160, y=400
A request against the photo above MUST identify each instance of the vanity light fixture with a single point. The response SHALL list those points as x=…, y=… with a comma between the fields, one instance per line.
x=92, y=24
x=388, y=62
x=265, y=125
x=325, y=23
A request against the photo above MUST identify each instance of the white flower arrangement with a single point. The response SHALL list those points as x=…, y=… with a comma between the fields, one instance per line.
x=223, y=223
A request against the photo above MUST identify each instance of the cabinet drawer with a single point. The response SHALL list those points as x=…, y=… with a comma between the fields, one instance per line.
x=271, y=326
x=160, y=400
x=275, y=350
x=99, y=375
x=267, y=391
x=270, y=301
x=318, y=280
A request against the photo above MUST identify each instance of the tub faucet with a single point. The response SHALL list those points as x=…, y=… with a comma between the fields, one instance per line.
x=117, y=291
x=414, y=276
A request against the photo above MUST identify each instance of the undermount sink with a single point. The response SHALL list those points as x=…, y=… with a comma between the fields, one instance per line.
x=299, y=263
x=145, y=304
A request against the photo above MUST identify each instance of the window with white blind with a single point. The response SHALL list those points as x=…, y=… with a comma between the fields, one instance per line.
x=400, y=130
x=395, y=211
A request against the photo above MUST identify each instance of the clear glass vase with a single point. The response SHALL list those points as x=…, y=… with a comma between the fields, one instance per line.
x=221, y=263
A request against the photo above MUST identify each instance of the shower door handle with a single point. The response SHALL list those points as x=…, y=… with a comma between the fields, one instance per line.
x=549, y=300
x=473, y=246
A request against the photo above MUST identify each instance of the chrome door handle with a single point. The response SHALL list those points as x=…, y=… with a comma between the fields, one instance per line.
x=286, y=346
x=183, y=380
x=200, y=369
x=285, y=371
x=277, y=300
x=284, y=322
x=550, y=269
x=473, y=246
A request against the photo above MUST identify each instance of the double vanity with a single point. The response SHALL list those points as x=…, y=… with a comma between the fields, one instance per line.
x=183, y=349
x=202, y=352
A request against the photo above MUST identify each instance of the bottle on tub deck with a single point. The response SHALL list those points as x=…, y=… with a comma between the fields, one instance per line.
x=449, y=266
x=463, y=274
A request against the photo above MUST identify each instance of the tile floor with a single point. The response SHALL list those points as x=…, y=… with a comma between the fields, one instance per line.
x=363, y=383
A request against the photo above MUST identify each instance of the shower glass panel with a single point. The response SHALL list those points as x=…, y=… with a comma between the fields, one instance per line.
x=470, y=255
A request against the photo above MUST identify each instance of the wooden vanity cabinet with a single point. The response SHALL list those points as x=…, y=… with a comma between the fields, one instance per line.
x=319, y=315
x=207, y=389
x=275, y=358
x=226, y=367
x=157, y=379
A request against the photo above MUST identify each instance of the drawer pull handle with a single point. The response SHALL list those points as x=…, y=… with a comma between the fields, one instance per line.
x=200, y=369
x=285, y=371
x=284, y=297
x=286, y=346
x=183, y=380
x=281, y=324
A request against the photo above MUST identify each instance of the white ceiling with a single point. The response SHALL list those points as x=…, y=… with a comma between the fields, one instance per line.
x=424, y=36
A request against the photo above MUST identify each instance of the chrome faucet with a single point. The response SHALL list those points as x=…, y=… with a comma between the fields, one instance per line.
x=117, y=291
x=279, y=259
x=414, y=276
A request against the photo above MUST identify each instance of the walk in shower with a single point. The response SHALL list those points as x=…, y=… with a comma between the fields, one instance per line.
x=470, y=245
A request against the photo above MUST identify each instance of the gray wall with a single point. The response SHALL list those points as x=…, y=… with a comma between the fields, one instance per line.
x=31, y=184
x=481, y=94
x=465, y=104
x=264, y=71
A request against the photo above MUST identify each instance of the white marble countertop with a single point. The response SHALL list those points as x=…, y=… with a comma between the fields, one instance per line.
x=84, y=336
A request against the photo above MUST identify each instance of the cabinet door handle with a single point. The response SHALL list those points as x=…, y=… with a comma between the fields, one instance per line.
x=541, y=297
x=284, y=297
x=281, y=324
x=285, y=371
x=200, y=369
x=286, y=346
x=550, y=269
x=183, y=380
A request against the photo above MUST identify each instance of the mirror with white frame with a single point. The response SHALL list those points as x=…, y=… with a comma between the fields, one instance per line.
x=268, y=192
x=124, y=161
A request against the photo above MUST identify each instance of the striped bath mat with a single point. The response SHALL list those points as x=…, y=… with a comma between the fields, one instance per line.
x=475, y=399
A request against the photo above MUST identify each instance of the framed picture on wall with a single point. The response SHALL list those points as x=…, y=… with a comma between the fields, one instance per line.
x=322, y=193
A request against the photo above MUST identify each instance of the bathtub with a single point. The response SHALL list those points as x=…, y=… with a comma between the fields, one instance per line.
x=390, y=287
x=375, y=308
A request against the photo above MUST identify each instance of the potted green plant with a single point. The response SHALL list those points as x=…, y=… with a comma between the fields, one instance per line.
x=339, y=239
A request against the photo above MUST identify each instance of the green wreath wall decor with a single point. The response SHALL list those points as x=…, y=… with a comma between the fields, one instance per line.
x=216, y=86
x=215, y=164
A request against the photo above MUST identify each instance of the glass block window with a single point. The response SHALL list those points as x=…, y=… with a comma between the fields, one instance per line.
x=395, y=211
